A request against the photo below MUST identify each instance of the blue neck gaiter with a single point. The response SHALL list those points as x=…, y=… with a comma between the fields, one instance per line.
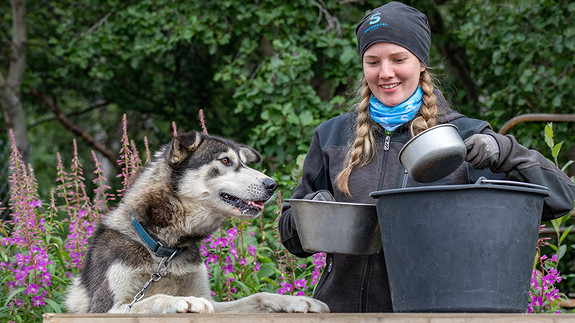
x=391, y=118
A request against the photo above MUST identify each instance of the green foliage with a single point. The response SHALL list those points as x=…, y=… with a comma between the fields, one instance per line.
x=563, y=243
x=265, y=73
x=521, y=53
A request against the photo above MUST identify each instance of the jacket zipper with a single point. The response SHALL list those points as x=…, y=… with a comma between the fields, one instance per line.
x=386, y=144
x=365, y=285
x=367, y=272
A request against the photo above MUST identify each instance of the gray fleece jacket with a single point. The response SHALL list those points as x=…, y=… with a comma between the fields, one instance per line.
x=359, y=283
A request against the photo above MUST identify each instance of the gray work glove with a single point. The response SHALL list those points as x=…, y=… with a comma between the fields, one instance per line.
x=321, y=195
x=482, y=151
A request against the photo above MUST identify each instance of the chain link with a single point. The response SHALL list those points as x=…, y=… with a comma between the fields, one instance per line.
x=157, y=275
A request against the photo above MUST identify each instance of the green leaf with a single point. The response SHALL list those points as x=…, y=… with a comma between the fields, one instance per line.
x=13, y=294
x=556, y=150
x=53, y=307
x=556, y=102
x=348, y=55
x=549, y=135
x=561, y=252
x=306, y=118
x=565, y=233
x=266, y=279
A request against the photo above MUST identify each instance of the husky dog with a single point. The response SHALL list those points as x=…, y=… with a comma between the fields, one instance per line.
x=188, y=190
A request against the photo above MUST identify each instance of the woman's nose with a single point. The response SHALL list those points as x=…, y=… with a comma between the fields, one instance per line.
x=385, y=71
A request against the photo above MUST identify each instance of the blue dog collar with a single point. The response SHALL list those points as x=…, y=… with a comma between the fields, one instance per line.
x=154, y=244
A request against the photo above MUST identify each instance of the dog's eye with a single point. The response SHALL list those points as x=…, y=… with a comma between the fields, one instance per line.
x=226, y=161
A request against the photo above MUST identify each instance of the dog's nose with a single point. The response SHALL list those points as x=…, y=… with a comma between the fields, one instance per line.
x=270, y=184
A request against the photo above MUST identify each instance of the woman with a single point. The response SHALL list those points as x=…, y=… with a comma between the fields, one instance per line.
x=357, y=153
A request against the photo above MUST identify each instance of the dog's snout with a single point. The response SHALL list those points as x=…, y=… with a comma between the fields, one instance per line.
x=270, y=184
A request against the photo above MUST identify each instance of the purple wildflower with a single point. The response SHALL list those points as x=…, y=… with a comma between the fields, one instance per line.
x=285, y=289
x=29, y=262
x=252, y=250
x=543, y=293
x=319, y=264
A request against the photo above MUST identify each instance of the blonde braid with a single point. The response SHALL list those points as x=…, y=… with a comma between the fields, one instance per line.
x=361, y=153
x=429, y=107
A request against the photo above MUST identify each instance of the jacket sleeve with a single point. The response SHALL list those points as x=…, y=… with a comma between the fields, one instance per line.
x=525, y=165
x=314, y=178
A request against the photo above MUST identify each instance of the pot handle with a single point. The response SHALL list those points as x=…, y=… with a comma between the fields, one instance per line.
x=482, y=181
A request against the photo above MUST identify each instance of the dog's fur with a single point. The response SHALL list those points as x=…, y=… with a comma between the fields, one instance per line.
x=187, y=191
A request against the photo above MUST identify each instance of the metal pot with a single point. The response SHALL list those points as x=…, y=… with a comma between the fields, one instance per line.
x=337, y=227
x=433, y=153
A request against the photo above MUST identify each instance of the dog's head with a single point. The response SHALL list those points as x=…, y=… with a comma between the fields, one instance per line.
x=211, y=172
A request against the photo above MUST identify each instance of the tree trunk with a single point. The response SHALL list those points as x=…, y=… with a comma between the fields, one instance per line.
x=10, y=97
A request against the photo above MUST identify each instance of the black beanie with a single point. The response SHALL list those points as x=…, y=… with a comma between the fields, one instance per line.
x=395, y=23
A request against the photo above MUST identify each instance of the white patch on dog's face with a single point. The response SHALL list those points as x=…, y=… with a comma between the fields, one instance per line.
x=228, y=186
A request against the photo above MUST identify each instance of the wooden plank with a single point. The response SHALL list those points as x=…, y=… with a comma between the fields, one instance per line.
x=313, y=318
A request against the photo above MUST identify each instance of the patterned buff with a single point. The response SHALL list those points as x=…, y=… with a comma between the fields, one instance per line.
x=391, y=118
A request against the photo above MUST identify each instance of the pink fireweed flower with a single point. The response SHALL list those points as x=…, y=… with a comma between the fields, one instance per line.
x=228, y=267
x=204, y=251
x=81, y=229
x=286, y=288
x=32, y=289
x=232, y=233
x=300, y=284
x=234, y=252
x=28, y=263
x=319, y=264
x=542, y=293
x=252, y=250
x=35, y=204
x=39, y=300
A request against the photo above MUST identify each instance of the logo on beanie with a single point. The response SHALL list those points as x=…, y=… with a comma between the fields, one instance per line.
x=374, y=21
x=374, y=18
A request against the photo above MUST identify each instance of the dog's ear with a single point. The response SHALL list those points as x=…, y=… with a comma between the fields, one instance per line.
x=182, y=145
x=249, y=155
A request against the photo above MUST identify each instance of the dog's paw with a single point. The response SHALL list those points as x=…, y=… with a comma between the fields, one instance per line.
x=302, y=304
x=166, y=304
x=193, y=304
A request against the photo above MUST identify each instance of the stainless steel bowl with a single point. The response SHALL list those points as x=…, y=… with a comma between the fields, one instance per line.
x=433, y=153
x=337, y=227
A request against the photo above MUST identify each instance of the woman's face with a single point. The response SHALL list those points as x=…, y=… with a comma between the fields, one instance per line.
x=392, y=72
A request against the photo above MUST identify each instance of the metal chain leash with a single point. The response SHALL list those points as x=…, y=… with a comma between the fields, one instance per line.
x=157, y=275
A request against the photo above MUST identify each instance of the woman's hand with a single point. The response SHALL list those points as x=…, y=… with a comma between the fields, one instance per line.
x=482, y=151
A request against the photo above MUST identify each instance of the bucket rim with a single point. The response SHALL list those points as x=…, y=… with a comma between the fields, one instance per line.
x=330, y=202
x=481, y=183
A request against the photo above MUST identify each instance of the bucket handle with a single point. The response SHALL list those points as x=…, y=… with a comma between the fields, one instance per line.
x=482, y=180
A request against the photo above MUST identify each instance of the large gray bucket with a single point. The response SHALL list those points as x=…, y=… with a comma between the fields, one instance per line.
x=460, y=248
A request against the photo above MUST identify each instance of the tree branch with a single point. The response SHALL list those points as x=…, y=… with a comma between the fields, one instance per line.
x=86, y=137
